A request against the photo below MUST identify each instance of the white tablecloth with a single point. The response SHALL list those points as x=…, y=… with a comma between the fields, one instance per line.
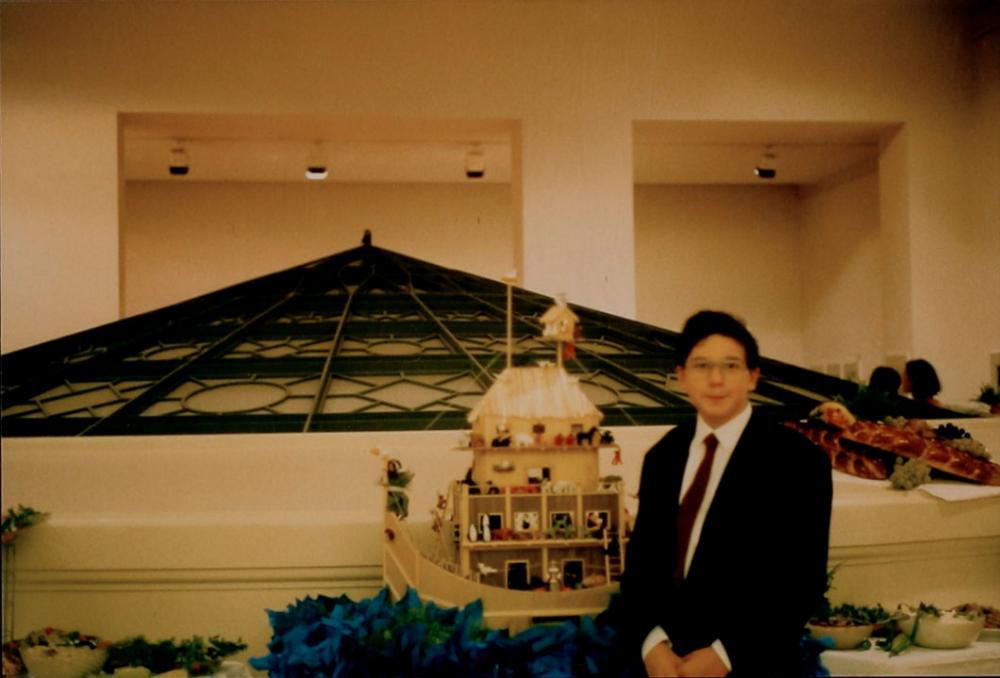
x=979, y=659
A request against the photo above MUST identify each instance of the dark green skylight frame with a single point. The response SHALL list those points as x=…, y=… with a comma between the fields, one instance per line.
x=364, y=340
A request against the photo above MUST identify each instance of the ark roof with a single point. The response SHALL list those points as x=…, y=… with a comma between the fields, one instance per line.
x=540, y=392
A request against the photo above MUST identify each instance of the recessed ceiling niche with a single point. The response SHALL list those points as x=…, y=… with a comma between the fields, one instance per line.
x=242, y=206
x=277, y=148
x=725, y=152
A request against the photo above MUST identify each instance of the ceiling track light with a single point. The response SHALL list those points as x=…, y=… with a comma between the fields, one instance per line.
x=765, y=168
x=179, y=161
x=316, y=164
x=475, y=162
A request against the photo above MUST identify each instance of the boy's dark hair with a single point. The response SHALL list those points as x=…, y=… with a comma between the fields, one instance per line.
x=704, y=324
x=924, y=382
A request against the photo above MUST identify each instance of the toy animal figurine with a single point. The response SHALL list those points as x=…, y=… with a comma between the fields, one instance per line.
x=594, y=522
x=395, y=482
x=562, y=487
x=587, y=436
x=524, y=439
x=503, y=436
x=554, y=584
x=504, y=466
x=607, y=438
x=485, y=570
x=437, y=513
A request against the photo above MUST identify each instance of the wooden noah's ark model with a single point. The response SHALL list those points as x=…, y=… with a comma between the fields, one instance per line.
x=533, y=530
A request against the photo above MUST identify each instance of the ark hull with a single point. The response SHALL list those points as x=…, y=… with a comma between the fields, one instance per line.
x=405, y=566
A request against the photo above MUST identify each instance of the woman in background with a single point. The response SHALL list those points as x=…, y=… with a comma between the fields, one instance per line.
x=921, y=381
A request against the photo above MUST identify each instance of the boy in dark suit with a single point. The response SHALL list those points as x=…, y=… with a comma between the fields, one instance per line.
x=728, y=556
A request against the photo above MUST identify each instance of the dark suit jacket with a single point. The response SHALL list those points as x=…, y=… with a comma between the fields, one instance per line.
x=759, y=570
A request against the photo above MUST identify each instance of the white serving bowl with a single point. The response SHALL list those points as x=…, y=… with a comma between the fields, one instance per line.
x=843, y=637
x=947, y=632
x=62, y=662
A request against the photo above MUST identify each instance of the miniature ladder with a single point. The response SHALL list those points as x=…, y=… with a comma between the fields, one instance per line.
x=612, y=562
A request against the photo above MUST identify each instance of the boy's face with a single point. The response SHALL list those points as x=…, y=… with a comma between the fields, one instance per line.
x=717, y=380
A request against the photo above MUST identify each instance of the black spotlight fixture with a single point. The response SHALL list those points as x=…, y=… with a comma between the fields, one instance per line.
x=316, y=163
x=179, y=163
x=316, y=172
x=765, y=168
x=475, y=163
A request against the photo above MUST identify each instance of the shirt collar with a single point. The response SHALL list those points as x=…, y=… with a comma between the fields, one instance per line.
x=729, y=433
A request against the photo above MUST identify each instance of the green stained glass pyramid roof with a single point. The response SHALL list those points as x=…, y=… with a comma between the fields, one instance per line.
x=367, y=339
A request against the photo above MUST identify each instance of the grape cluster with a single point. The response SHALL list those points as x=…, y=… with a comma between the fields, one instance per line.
x=909, y=474
x=895, y=422
x=951, y=432
x=970, y=445
x=960, y=439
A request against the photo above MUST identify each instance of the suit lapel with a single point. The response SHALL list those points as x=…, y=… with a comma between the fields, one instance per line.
x=733, y=477
x=677, y=461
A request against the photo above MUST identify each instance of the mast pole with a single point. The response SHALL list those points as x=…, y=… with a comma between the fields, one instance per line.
x=509, y=280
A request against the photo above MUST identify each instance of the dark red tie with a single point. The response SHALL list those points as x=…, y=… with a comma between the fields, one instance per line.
x=690, y=505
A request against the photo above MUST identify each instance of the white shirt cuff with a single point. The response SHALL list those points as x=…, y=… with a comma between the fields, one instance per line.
x=720, y=650
x=655, y=637
x=658, y=635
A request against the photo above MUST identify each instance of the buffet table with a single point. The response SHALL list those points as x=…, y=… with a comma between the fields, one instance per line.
x=982, y=658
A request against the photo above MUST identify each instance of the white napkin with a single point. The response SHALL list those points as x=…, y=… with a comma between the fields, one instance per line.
x=950, y=490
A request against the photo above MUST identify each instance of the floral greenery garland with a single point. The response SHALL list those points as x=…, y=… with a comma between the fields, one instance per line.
x=375, y=637
x=18, y=519
x=53, y=637
x=196, y=656
x=15, y=521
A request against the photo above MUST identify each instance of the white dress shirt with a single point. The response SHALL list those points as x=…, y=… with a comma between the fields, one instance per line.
x=728, y=435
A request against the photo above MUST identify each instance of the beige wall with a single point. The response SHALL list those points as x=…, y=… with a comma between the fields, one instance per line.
x=574, y=74
x=184, y=239
x=841, y=274
x=729, y=248
x=177, y=535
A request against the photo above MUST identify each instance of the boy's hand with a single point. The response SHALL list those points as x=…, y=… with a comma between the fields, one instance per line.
x=662, y=661
x=702, y=662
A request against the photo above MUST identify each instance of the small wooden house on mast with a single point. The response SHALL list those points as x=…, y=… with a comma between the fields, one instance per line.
x=560, y=325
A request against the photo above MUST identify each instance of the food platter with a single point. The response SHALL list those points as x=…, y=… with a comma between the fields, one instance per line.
x=947, y=630
x=844, y=637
